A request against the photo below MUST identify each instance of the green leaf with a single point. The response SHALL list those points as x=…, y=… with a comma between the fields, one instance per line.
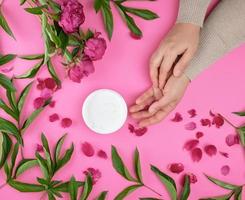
x=137, y=166
x=31, y=72
x=242, y=114
x=53, y=73
x=22, y=2
x=12, y=99
x=119, y=165
x=222, y=197
x=149, y=198
x=5, y=26
x=22, y=97
x=102, y=195
x=58, y=148
x=5, y=146
x=186, y=189
x=107, y=18
x=238, y=194
x=6, y=83
x=87, y=188
x=32, y=117
x=7, y=172
x=8, y=110
x=43, y=165
x=47, y=154
x=36, y=10
x=25, y=187
x=143, y=13
x=241, y=132
x=97, y=5
x=13, y=157
x=24, y=165
x=126, y=192
x=32, y=57
x=73, y=188
x=62, y=161
x=6, y=59
x=8, y=127
x=63, y=187
x=51, y=196
x=222, y=183
x=167, y=181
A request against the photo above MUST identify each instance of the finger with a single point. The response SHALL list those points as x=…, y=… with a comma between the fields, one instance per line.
x=159, y=116
x=141, y=115
x=144, y=96
x=166, y=66
x=138, y=107
x=182, y=63
x=158, y=105
x=155, y=64
x=157, y=93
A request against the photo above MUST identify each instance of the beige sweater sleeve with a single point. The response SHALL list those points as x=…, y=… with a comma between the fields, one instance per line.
x=223, y=30
x=192, y=11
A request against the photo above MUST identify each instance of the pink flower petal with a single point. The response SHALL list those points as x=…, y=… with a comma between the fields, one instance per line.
x=87, y=149
x=52, y=104
x=102, y=154
x=225, y=170
x=94, y=173
x=218, y=121
x=131, y=128
x=50, y=83
x=199, y=134
x=224, y=154
x=190, y=126
x=140, y=131
x=196, y=154
x=192, y=113
x=176, y=167
x=232, y=139
x=193, y=178
x=46, y=93
x=210, y=150
x=39, y=148
x=205, y=122
x=189, y=145
x=38, y=102
x=54, y=117
x=177, y=117
x=66, y=122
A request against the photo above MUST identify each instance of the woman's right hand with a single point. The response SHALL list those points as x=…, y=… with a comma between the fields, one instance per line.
x=182, y=41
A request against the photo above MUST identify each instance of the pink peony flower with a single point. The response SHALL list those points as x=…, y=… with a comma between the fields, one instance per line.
x=75, y=74
x=94, y=173
x=72, y=16
x=95, y=48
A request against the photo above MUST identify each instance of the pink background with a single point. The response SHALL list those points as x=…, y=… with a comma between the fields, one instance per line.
x=125, y=69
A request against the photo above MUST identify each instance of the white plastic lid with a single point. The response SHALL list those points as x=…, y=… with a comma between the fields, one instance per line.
x=104, y=111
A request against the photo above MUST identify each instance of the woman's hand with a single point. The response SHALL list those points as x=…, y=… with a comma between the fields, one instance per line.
x=158, y=109
x=179, y=47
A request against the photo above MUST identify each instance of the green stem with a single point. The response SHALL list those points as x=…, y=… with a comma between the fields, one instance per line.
x=149, y=188
x=226, y=120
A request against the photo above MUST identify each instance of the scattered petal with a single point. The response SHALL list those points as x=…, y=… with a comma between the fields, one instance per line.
x=218, y=121
x=224, y=154
x=46, y=93
x=196, y=154
x=66, y=122
x=177, y=117
x=193, y=178
x=52, y=104
x=192, y=113
x=94, y=173
x=210, y=150
x=140, y=131
x=38, y=102
x=39, y=148
x=190, y=126
x=205, y=122
x=41, y=84
x=50, y=83
x=211, y=113
x=176, y=167
x=87, y=149
x=189, y=145
x=225, y=170
x=134, y=36
x=232, y=139
x=131, y=128
x=199, y=134
x=102, y=154
x=54, y=117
